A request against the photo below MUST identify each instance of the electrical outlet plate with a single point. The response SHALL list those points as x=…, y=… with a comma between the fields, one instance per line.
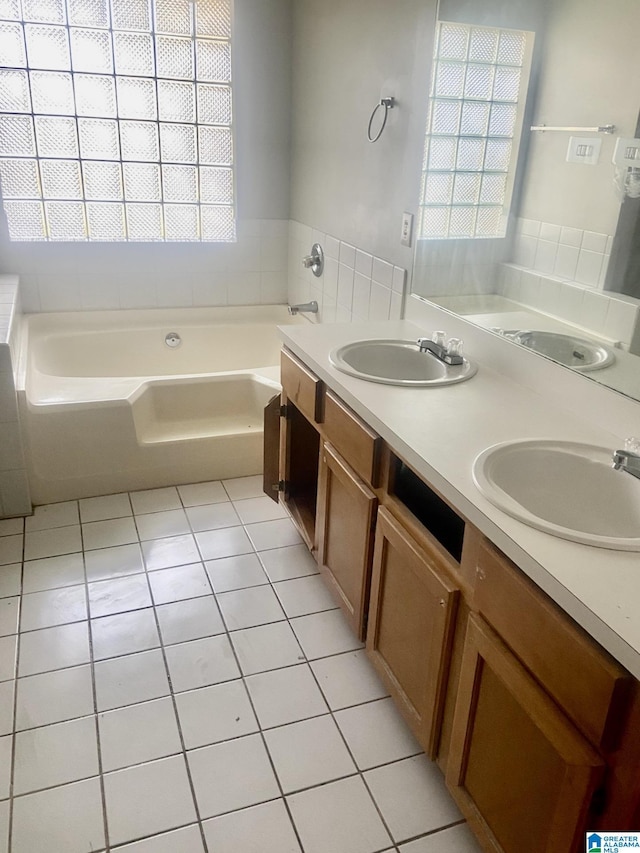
x=585, y=150
x=407, y=228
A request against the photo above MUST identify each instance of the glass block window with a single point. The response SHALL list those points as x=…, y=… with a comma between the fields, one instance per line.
x=479, y=79
x=116, y=119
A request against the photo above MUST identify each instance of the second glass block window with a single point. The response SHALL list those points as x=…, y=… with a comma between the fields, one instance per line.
x=478, y=86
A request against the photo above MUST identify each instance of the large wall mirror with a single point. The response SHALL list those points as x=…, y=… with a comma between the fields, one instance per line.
x=539, y=243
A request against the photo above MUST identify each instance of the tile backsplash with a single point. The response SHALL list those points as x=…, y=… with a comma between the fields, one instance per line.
x=354, y=286
x=568, y=254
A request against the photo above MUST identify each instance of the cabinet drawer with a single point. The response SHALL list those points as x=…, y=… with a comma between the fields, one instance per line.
x=301, y=386
x=583, y=679
x=352, y=438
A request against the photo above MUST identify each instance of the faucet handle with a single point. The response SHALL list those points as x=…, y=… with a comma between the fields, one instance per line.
x=439, y=338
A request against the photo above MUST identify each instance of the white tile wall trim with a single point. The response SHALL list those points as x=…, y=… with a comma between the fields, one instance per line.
x=355, y=286
x=611, y=316
x=569, y=254
x=14, y=487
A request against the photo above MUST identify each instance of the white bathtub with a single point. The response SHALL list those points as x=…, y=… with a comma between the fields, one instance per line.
x=107, y=406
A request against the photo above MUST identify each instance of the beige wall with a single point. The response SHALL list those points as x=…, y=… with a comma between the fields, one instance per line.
x=346, y=56
x=590, y=76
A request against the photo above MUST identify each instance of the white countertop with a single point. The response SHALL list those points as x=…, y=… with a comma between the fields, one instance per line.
x=439, y=432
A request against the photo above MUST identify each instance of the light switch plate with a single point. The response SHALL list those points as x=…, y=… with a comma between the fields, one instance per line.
x=585, y=150
x=407, y=228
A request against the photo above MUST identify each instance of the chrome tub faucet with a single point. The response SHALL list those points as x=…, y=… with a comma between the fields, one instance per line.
x=308, y=307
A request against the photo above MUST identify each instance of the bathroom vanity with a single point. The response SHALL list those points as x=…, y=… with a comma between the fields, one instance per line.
x=465, y=614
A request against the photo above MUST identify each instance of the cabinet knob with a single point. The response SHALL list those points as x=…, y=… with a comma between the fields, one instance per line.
x=443, y=603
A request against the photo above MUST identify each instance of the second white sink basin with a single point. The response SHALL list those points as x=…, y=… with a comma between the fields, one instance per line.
x=578, y=353
x=397, y=362
x=564, y=488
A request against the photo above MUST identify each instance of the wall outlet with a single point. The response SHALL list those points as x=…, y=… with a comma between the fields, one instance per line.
x=407, y=228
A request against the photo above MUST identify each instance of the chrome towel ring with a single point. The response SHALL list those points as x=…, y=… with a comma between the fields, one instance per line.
x=388, y=104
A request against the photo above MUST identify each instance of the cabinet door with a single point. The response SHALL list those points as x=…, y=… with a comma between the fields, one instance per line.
x=346, y=516
x=271, y=450
x=411, y=621
x=521, y=773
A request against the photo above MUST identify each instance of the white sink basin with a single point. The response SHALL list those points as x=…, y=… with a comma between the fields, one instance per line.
x=564, y=488
x=393, y=362
x=578, y=353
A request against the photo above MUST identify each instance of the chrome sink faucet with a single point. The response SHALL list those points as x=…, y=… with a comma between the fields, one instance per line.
x=448, y=351
x=628, y=459
x=310, y=307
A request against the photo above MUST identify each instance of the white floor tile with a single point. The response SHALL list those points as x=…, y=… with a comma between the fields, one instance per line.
x=294, y=561
x=457, y=839
x=212, y=516
x=52, y=607
x=53, y=572
x=412, y=797
x=267, y=647
x=285, y=695
x=201, y=662
x=11, y=526
x=131, y=679
x=105, y=563
x=253, y=510
x=214, y=544
x=185, y=840
x=53, y=697
x=11, y=549
x=5, y=766
x=302, y=596
x=197, y=494
x=273, y=534
x=10, y=580
x=213, y=714
x=105, y=507
x=52, y=515
x=339, y=816
x=236, y=573
x=8, y=648
x=193, y=619
x=246, y=608
x=138, y=733
x=67, y=819
x=124, y=634
x=323, y=634
x=54, y=648
x=52, y=543
x=9, y=613
x=106, y=534
x=180, y=583
x=118, y=595
x=260, y=829
x=170, y=552
x=155, y=500
x=232, y=775
x=308, y=753
x=55, y=755
x=239, y=488
x=160, y=525
x=348, y=679
x=148, y=799
x=6, y=707
x=376, y=733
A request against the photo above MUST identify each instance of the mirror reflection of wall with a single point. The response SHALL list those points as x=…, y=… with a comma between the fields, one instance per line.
x=553, y=269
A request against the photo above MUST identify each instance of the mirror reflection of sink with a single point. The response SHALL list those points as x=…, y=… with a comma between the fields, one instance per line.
x=578, y=353
x=397, y=362
x=564, y=488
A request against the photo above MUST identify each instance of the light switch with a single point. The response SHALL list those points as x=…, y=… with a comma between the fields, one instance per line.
x=585, y=150
x=407, y=226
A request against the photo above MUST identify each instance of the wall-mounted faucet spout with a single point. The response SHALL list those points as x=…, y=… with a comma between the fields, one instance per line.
x=307, y=307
